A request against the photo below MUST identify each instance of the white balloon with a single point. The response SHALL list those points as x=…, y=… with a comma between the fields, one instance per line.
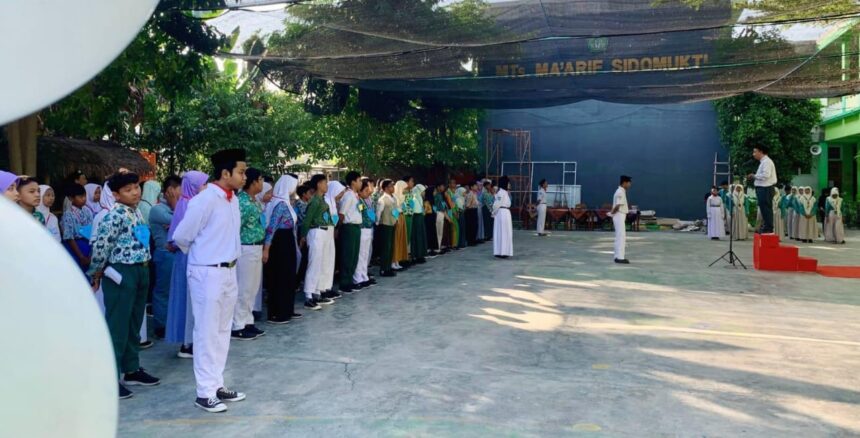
x=59, y=376
x=52, y=47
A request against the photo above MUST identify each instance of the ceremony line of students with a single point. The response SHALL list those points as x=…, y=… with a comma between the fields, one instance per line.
x=213, y=246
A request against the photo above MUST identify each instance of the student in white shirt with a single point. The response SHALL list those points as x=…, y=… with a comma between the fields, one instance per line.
x=209, y=234
x=619, y=219
x=765, y=180
x=350, y=233
x=541, y=208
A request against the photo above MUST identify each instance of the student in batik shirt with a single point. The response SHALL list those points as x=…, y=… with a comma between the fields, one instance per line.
x=280, y=252
x=122, y=246
x=77, y=224
x=249, y=266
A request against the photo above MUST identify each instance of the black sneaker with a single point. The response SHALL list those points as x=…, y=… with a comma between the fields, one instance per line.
x=622, y=261
x=296, y=316
x=366, y=284
x=251, y=328
x=372, y=281
x=278, y=320
x=242, y=335
x=332, y=295
x=358, y=286
x=211, y=404
x=347, y=290
x=124, y=393
x=140, y=377
x=145, y=344
x=225, y=394
x=186, y=352
x=312, y=304
x=325, y=301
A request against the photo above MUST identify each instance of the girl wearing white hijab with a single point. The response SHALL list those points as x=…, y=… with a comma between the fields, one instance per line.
x=94, y=192
x=738, y=206
x=281, y=253
x=148, y=198
x=332, y=198
x=51, y=221
x=808, y=228
x=834, y=228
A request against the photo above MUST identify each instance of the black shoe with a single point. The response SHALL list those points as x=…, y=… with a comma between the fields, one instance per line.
x=325, y=301
x=715, y=238
x=347, y=290
x=372, y=281
x=333, y=296
x=211, y=404
x=242, y=335
x=140, y=377
x=366, y=284
x=622, y=261
x=387, y=274
x=297, y=316
x=225, y=394
x=358, y=286
x=251, y=328
x=124, y=393
x=186, y=352
x=278, y=320
x=160, y=332
x=312, y=305
x=145, y=344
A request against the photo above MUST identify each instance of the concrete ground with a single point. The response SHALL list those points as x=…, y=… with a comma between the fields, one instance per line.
x=557, y=341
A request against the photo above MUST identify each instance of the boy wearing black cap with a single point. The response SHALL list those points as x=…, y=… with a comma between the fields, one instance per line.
x=122, y=249
x=209, y=234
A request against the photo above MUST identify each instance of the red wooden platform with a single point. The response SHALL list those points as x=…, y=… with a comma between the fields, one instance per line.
x=770, y=255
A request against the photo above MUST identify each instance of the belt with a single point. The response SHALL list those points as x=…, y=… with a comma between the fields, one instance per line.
x=223, y=265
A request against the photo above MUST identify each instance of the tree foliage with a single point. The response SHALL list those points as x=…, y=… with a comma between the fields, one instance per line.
x=783, y=125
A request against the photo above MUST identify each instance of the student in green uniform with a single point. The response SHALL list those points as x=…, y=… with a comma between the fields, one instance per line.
x=418, y=236
x=317, y=232
x=350, y=232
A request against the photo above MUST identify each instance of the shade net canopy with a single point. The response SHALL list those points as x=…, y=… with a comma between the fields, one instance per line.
x=533, y=53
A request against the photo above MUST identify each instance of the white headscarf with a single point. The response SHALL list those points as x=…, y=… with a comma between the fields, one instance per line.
x=94, y=206
x=106, y=201
x=51, y=221
x=399, y=186
x=266, y=189
x=148, y=199
x=460, y=197
x=42, y=208
x=334, y=188
x=283, y=192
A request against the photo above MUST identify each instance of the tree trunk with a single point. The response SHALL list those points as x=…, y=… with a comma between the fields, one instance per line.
x=22, y=135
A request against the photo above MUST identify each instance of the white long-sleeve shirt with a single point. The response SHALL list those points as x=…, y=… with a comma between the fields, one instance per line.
x=766, y=174
x=349, y=208
x=502, y=200
x=620, y=200
x=541, y=196
x=209, y=232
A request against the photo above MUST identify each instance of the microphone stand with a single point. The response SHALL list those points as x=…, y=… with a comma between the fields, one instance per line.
x=730, y=257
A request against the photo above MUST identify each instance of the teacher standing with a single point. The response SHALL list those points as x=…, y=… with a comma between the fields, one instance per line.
x=765, y=180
